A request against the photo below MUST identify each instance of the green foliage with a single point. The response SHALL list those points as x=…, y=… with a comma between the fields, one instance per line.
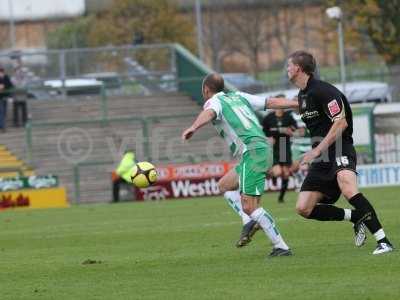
x=377, y=18
x=381, y=18
x=185, y=250
x=155, y=21
x=70, y=35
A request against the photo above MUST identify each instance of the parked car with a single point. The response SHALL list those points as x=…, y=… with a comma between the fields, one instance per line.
x=77, y=86
x=111, y=80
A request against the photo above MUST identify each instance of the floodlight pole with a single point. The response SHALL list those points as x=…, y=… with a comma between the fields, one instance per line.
x=12, y=24
x=199, y=25
x=336, y=13
x=341, y=55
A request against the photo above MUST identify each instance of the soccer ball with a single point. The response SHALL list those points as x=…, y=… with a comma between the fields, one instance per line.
x=143, y=174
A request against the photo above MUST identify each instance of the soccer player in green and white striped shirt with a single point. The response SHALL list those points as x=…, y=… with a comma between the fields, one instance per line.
x=232, y=114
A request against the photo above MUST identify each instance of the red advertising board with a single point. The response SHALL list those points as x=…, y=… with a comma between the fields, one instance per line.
x=193, y=180
x=180, y=188
x=185, y=181
x=193, y=171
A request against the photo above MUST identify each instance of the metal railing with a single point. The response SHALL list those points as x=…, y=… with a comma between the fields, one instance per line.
x=69, y=63
x=145, y=124
x=152, y=68
x=104, y=120
x=148, y=135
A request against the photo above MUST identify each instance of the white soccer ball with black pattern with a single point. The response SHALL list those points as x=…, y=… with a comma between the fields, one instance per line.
x=143, y=174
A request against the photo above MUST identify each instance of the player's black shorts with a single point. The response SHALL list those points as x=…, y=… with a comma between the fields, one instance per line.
x=282, y=156
x=321, y=176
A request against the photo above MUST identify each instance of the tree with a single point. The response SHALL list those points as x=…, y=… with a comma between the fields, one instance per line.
x=248, y=34
x=70, y=35
x=379, y=19
x=284, y=26
x=216, y=36
x=156, y=21
x=249, y=28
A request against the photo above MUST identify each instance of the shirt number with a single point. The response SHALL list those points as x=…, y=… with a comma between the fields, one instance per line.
x=245, y=116
x=342, y=161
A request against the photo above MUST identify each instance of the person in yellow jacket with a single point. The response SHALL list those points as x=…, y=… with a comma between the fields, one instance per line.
x=123, y=172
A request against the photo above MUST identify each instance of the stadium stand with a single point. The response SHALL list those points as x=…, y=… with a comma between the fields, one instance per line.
x=83, y=108
x=11, y=166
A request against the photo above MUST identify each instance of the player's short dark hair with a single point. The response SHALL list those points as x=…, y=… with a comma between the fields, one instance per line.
x=214, y=82
x=304, y=60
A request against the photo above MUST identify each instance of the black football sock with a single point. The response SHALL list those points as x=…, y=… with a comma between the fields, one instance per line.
x=356, y=215
x=284, y=186
x=384, y=240
x=369, y=215
x=367, y=211
x=326, y=212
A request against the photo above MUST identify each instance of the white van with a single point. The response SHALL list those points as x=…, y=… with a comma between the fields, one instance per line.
x=356, y=92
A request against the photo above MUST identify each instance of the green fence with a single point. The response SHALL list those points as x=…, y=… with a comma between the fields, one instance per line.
x=190, y=72
x=363, y=124
x=189, y=66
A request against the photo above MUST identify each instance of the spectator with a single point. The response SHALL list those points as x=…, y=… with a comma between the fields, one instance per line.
x=19, y=107
x=122, y=173
x=20, y=80
x=5, y=87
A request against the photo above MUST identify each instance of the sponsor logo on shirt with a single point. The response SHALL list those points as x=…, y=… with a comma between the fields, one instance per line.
x=333, y=107
x=309, y=114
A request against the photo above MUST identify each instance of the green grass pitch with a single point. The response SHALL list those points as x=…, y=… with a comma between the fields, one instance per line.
x=184, y=249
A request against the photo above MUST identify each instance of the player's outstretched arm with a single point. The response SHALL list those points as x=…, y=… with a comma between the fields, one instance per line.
x=203, y=118
x=276, y=103
x=339, y=125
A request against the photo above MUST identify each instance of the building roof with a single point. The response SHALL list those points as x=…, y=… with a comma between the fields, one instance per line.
x=32, y=10
x=267, y=3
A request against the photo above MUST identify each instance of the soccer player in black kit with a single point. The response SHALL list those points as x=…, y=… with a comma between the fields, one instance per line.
x=327, y=115
x=280, y=126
